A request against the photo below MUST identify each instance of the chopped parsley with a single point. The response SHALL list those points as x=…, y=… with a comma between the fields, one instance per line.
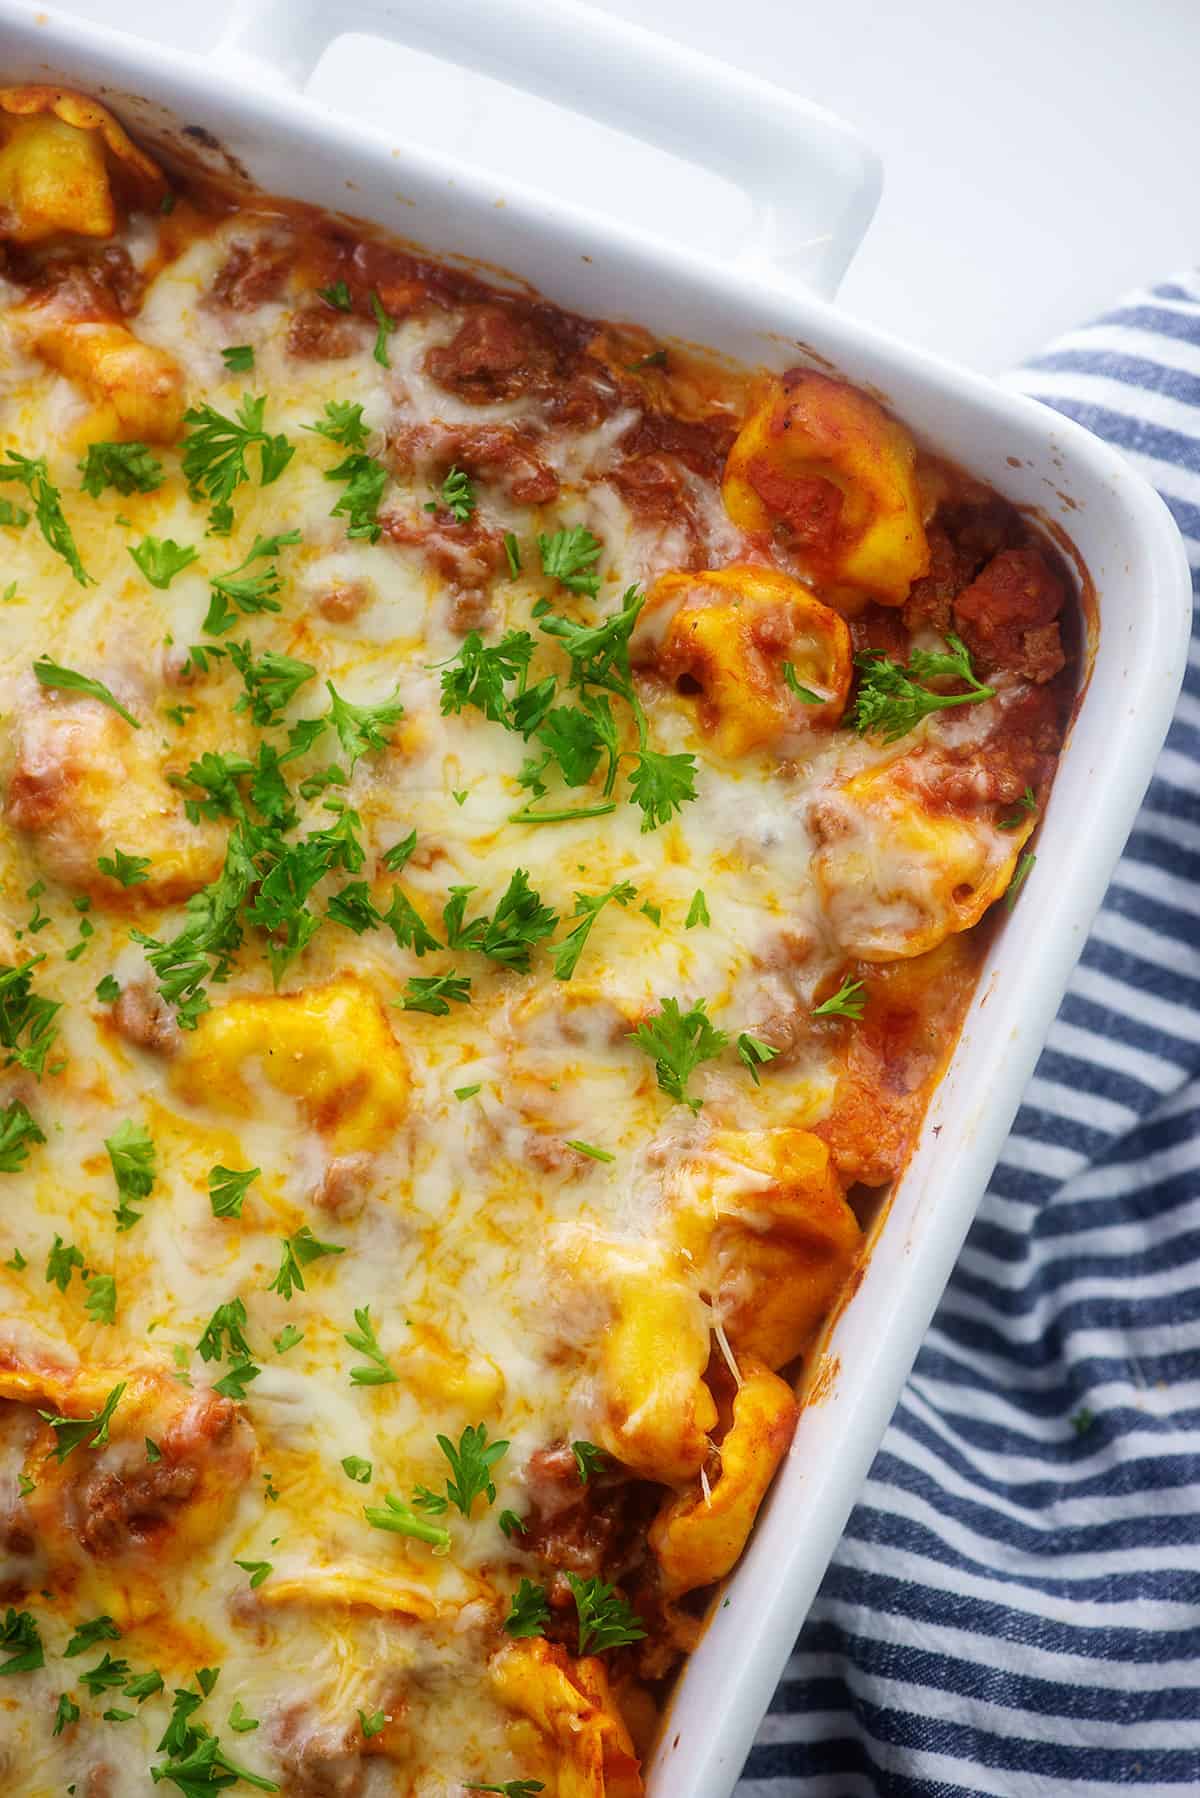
x=569, y=557
x=471, y=1464
x=66, y=1711
x=356, y=1469
x=364, y=1341
x=271, y=682
x=132, y=1155
x=18, y=1130
x=362, y=728
x=678, y=1041
x=365, y=479
x=697, y=911
x=588, y=906
x=129, y=467
x=214, y=454
x=248, y=593
x=61, y=1263
x=588, y=1460
x=24, y=1013
x=71, y=1433
x=512, y=553
x=468, y=1092
x=299, y=1251
x=34, y=475
x=519, y=922
x=891, y=702
x=224, y=1333
x=227, y=1189
x=530, y=1611
x=458, y=495
x=239, y=1721
x=605, y=1619
x=753, y=1053
x=128, y=870
x=511, y=1524
x=342, y=423
x=1024, y=870
x=258, y=1571
x=589, y=1149
x=850, y=1001
x=384, y=328
x=101, y=1301
x=337, y=296
x=233, y=1383
x=432, y=993
x=99, y=1629
x=287, y=1338
x=19, y=1638
x=1022, y=809
x=805, y=695
x=238, y=358
x=66, y=680
x=371, y=1725
x=398, y=1517
x=511, y=1788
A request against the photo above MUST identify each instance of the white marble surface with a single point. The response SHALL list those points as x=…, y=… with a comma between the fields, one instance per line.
x=1040, y=157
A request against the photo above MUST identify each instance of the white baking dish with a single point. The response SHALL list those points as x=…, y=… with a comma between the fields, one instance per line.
x=814, y=186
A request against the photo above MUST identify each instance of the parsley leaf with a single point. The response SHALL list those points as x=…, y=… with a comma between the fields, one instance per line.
x=271, y=682
x=24, y=1012
x=67, y=1711
x=238, y=358
x=214, y=450
x=512, y=1788
x=697, y=911
x=753, y=1053
x=129, y=467
x=365, y=480
x=101, y=1301
x=890, y=703
x=131, y=1153
x=337, y=296
x=458, y=495
x=343, y=423
x=530, y=1611
x=396, y=859
x=356, y=1469
x=662, y=785
x=287, y=1338
x=71, y=1433
x=588, y=906
x=478, y=674
x=129, y=870
x=61, y=1262
x=850, y=1001
x=1023, y=870
x=805, y=695
x=18, y=1129
x=432, y=993
x=678, y=1041
x=227, y=1189
x=226, y=1325
x=365, y=1342
x=407, y=925
x=33, y=474
x=258, y=1571
x=512, y=553
x=395, y=1515
x=1023, y=808
x=569, y=557
x=19, y=1633
x=65, y=680
x=471, y=1464
x=605, y=1619
x=385, y=326
x=161, y=559
x=588, y=1460
x=99, y=1629
x=360, y=728
x=249, y=593
x=233, y=1384
x=299, y=1251
x=511, y=1524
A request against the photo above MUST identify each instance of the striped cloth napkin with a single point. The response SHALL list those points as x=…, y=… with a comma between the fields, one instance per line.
x=1015, y=1606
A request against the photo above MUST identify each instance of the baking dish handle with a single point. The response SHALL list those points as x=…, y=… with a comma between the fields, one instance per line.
x=812, y=180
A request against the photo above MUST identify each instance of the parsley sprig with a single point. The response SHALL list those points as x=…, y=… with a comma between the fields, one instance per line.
x=33, y=474
x=678, y=1041
x=891, y=701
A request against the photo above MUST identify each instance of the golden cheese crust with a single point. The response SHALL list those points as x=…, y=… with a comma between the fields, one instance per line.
x=498, y=829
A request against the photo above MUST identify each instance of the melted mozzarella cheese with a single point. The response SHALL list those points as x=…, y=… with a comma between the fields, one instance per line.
x=456, y=1220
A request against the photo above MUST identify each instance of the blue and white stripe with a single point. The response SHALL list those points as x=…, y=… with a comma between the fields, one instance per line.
x=1015, y=1606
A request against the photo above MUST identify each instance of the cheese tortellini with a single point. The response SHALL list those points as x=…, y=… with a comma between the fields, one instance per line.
x=699, y=1534
x=823, y=460
x=58, y=155
x=570, y=1703
x=763, y=1214
x=768, y=659
x=897, y=874
x=329, y=1047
